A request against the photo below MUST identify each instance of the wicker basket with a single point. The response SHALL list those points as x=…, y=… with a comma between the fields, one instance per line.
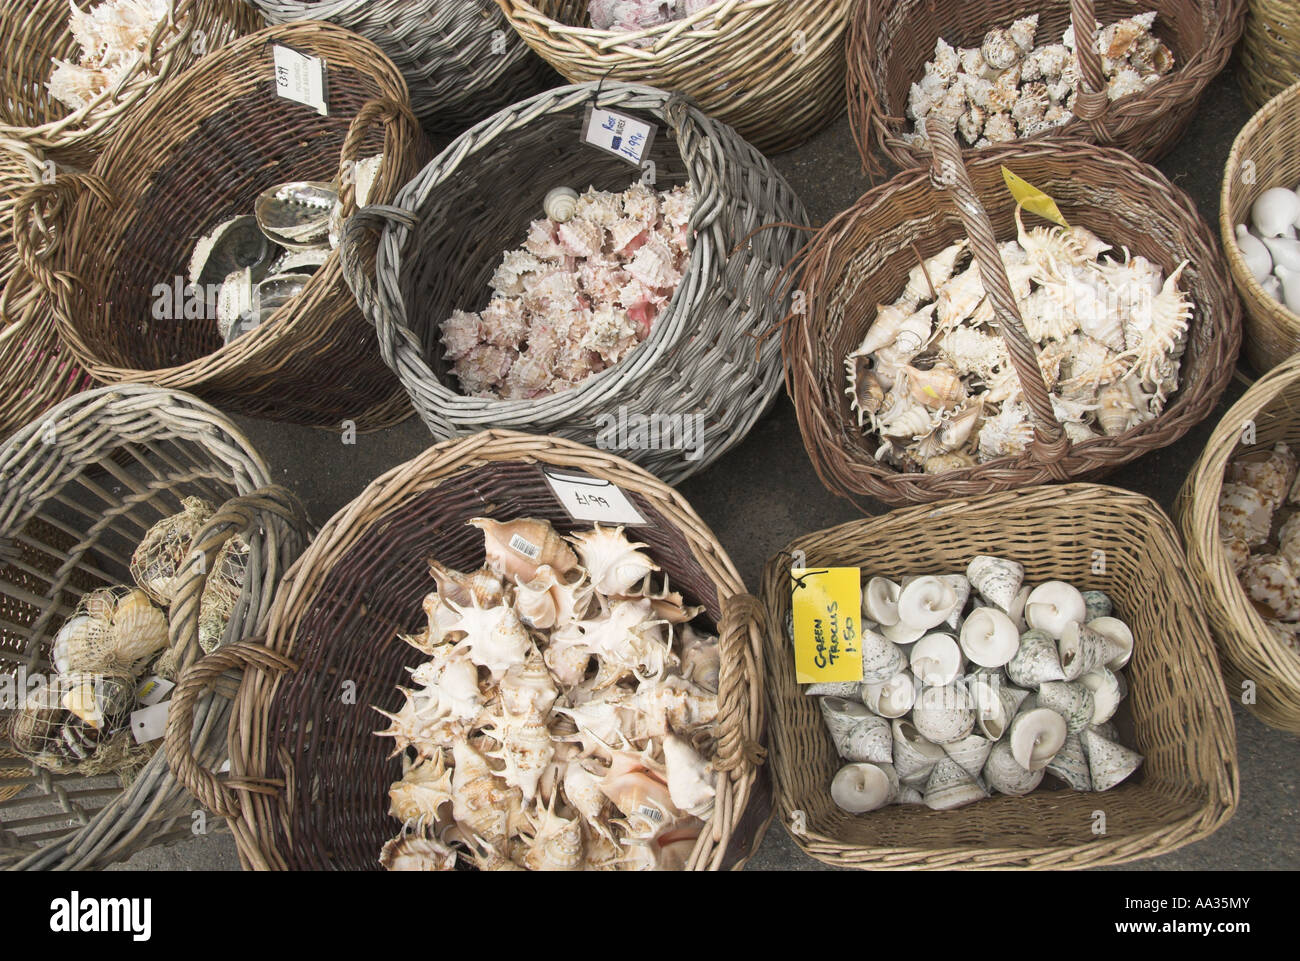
x=81, y=488
x=1176, y=713
x=773, y=69
x=309, y=782
x=862, y=258
x=203, y=148
x=890, y=43
x=441, y=243
x=461, y=60
x=33, y=32
x=1270, y=50
x=1249, y=651
x=1266, y=154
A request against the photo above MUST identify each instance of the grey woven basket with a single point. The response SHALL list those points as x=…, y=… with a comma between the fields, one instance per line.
x=460, y=58
x=78, y=490
x=435, y=249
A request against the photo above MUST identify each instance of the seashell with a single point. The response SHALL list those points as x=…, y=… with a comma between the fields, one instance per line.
x=296, y=215
x=233, y=245
x=534, y=602
x=1036, y=662
x=1106, y=692
x=1000, y=49
x=1258, y=258
x=1004, y=774
x=859, y=788
x=995, y=579
x=1035, y=736
x=527, y=687
x=903, y=634
x=869, y=740
x=959, y=298
x=944, y=714
x=989, y=637
x=483, y=588
x=556, y=842
x=880, y=601
x=1275, y=213
x=495, y=638
x=842, y=716
x=1271, y=473
x=156, y=564
x=1052, y=605
x=972, y=61
x=940, y=387
x=1118, y=633
x=690, y=777
x=1096, y=604
x=971, y=124
x=881, y=658
x=1288, y=540
x=892, y=697
x=970, y=752
x=996, y=704
x=1271, y=584
x=1108, y=763
x=1125, y=83
x=614, y=563
x=516, y=549
x=1073, y=701
x=865, y=390
x=943, y=463
x=701, y=658
x=937, y=271
x=526, y=749
x=1071, y=764
x=424, y=788
x=845, y=689
x=274, y=292
x=914, y=756
x=970, y=350
x=1285, y=252
x=951, y=786
x=302, y=262
x=1083, y=649
x=480, y=801
x=961, y=587
x=1007, y=434
x=560, y=204
x=416, y=853
x=1000, y=127
x=936, y=660
x=1244, y=512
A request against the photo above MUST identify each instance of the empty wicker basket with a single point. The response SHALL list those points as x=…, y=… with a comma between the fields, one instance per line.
x=773, y=69
x=443, y=238
x=1176, y=713
x=890, y=43
x=1266, y=154
x=1270, y=50
x=81, y=488
x=461, y=60
x=309, y=783
x=1259, y=666
x=199, y=151
x=862, y=258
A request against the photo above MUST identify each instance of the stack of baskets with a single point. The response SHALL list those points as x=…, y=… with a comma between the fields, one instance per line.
x=1175, y=714
x=309, y=782
x=81, y=488
x=773, y=69
x=1270, y=52
x=443, y=237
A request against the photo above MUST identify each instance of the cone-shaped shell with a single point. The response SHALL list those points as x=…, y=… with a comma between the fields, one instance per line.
x=1036, y=661
x=1107, y=692
x=903, y=634
x=907, y=794
x=960, y=585
x=989, y=637
x=996, y=704
x=842, y=716
x=1017, y=610
x=858, y=788
x=970, y=752
x=936, y=660
x=926, y=602
x=995, y=579
x=847, y=689
x=951, y=786
x=1118, y=633
x=1071, y=700
x=944, y=714
x=891, y=698
x=1071, y=764
x=516, y=549
x=1035, y=737
x=1082, y=649
x=880, y=601
x=1108, y=763
x=871, y=740
x=1053, y=605
x=914, y=755
x=881, y=658
x=482, y=588
x=1003, y=773
x=1097, y=604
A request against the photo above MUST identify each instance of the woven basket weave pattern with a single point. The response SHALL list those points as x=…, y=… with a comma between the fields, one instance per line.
x=1270, y=50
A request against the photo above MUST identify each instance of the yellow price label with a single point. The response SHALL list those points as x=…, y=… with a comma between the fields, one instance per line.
x=1033, y=199
x=827, y=607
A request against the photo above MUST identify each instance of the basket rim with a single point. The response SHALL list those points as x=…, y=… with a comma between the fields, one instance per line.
x=1222, y=796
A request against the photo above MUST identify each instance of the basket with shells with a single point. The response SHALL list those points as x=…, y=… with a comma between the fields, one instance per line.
x=581, y=694
x=1047, y=647
x=1000, y=353
x=1112, y=72
x=137, y=529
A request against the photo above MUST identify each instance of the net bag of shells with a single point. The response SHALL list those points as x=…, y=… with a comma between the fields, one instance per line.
x=560, y=694
x=98, y=622
x=1270, y=50
x=461, y=60
x=73, y=71
x=1258, y=213
x=1134, y=757
x=774, y=71
x=632, y=307
x=1116, y=73
x=1090, y=346
x=1236, y=511
x=206, y=224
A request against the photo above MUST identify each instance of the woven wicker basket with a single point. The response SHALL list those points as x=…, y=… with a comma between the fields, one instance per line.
x=33, y=32
x=1176, y=713
x=1248, y=649
x=862, y=257
x=443, y=238
x=461, y=60
x=1266, y=154
x=81, y=488
x=890, y=43
x=202, y=149
x=773, y=69
x=1270, y=50
x=309, y=782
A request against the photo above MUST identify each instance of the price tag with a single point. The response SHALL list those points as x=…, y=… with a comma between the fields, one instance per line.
x=153, y=689
x=300, y=78
x=619, y=134
x=150, y=723
x=827, y=607
x=588, y=498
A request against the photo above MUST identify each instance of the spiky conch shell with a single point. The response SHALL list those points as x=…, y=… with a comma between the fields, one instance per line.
x=156, y=563
x=408, y=852
x=614, y=563
x=516, y=549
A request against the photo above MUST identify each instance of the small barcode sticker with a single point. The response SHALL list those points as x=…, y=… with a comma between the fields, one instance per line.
x=654, y=814
x=525, y=547
x=301, y=78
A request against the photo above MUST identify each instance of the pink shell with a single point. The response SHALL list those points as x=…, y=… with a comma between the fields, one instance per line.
x=515, y=266
x=655, y=264
x=483, y=370
x=581, y=238
x=505, y=324
x=556, y=288
x=599, y=207
x=641, y=204
x=626, y=236
x=542, y=241
x=461, y=333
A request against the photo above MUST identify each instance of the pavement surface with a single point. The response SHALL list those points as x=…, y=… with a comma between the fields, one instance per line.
x=764, y=494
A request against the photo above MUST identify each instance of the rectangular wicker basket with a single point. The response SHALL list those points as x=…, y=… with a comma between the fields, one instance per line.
x=1176, y=713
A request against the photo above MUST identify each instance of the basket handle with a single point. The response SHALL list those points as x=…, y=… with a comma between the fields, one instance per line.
x=358, y=250
x=948, y=172
x=1092, y=97
x=40, y=215
x=215, y=794
x=380, y=110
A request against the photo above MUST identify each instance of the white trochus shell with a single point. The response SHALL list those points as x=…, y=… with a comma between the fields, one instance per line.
x=880, y=601
x=1054, y=605
x=944, y=714
x=989, y=637
x=858, y=788
x=926, y=602
x=1119, y=633
x=996, y=579
x=1004, y=774
x=1035, y=737
x=936, y=660
x=560, y=204
x=891, y=698
x=1108, y=762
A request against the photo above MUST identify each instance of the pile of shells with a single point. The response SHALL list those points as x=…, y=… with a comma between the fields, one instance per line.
x=565, y=719
x=978, y=682
x=933, y=380
x=1271, y=250
x=631, y=16
x=1007, y=88
x=113, y=36
x=579, y=297
x=79, y=720
x=1259, y=524
x=248, y=267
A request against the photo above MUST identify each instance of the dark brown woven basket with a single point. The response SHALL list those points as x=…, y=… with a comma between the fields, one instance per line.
x=862, y=258
x=309, y=779
x=1176, y=714
x=890, y=41
x=202, y=148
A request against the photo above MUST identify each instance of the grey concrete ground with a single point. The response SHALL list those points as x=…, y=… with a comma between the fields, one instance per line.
x=765, y=494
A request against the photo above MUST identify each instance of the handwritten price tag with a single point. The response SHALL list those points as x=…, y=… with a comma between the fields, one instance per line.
x=588, y=498
x=827, y=605
x=617, y=133
x=300, y=78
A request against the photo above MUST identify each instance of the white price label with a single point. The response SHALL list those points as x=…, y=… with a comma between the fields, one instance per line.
x=300, y=78
x=150, y=723
x=588, y=498
x=619, y=134
x=153, y=689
